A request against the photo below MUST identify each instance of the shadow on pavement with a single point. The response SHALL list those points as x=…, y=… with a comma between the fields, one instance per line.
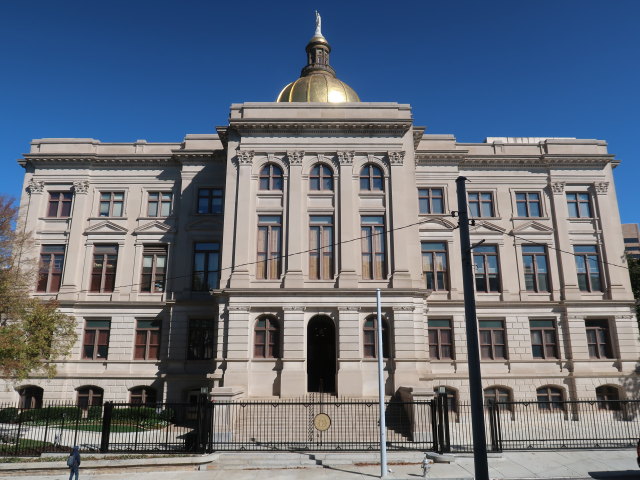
x=620, y=475
x=327, y=467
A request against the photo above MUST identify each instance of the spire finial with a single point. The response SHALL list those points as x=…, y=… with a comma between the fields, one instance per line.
x=318, y=32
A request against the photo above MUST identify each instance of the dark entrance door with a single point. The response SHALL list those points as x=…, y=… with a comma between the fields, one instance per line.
x=321, y=355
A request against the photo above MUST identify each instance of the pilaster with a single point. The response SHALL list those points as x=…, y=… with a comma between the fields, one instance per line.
x=349, y=353
x=293, y=382
x=238, y=347
x=240, y=275
x=295, y=228
x=347, y=275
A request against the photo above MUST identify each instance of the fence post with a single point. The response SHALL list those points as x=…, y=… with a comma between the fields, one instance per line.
x=106, y=427
x=441, y=443
x=433, y=403
x=492, y=426
x=446, y=447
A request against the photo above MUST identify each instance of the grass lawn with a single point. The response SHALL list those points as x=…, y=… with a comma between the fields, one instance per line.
x=26, y=446
x=115, y=427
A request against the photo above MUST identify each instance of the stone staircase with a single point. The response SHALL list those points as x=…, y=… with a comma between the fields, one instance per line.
x=289, y=424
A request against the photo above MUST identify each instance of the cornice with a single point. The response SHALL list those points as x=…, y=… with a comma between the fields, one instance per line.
x=134, y=159
x=266, y=126
x=463, y=159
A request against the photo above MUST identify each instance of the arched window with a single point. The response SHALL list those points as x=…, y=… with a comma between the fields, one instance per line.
x=142, y=396
x=271, y=177
x=30, y=397
x=550, y=398
x=608, y=397
x=266, y=340
x=498, y=395
x=371, y=178
x=321, y=178
x=90, y=396
x=452, y=398
x=370, y=337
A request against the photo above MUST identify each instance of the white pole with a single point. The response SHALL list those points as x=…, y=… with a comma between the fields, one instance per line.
x=383, y=427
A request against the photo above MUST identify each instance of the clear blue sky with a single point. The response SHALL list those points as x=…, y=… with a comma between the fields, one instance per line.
x=122, y=70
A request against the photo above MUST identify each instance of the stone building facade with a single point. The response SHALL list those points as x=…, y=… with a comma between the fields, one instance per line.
x=246, y=261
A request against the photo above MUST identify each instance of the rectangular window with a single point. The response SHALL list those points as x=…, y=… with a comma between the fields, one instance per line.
x=95, y=345
x=481, y=204
x=206, y=266
x=269, y=247
x=440, y=339
x=528, y=204
x=373, y=248
x=210, y=200
x=159, y=204
x=51, y=264
x=579, y=205
x=111, y=204
x=536, y=272
x=631, y=240
x=487, y=270
x=147, y=346
x=492, y=340
x=431, y=200
x=154, y=268
x=201, y=339
x=434, y=265
x=588, y=267
x=321, y=247
x=103, y=274
x=598, y=339
x=59, y=204
x=544, y=343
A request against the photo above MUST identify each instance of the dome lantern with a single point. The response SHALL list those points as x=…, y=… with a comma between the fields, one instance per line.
x=318, y=82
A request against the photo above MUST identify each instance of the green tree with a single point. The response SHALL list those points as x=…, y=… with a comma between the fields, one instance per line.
x=33, y=333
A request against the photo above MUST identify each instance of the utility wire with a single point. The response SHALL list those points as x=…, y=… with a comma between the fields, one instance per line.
x=335, y=244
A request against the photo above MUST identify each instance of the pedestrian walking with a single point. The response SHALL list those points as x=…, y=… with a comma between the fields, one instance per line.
x=73, y=462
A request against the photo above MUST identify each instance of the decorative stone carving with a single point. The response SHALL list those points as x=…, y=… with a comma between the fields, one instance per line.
x=404, y=308
x=238, y=308
x=601, y=187
x=346, y=158
x=557, y=187
x=245, y=157
x=81, y=187
x=293, y=308
x=396, y=158
x=295, y=157
x=348, y=309
x=35, y=186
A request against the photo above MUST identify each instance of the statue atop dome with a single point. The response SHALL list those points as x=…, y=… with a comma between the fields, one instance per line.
x=318, y=32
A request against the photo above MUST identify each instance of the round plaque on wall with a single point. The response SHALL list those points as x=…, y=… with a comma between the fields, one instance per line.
x=322, y=422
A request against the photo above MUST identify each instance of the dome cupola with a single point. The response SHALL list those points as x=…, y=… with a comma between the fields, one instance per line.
x=318, y=82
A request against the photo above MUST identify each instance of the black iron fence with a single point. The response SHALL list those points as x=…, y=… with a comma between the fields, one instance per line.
x=328, y=424
x=549, y=425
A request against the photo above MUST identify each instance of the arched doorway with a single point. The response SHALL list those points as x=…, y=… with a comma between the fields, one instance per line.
x=321, y=355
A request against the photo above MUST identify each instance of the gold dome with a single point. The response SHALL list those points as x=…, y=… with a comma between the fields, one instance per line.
x=318, y=82
x=318, y=88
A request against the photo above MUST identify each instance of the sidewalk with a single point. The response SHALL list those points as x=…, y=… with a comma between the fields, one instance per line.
x=584, y=464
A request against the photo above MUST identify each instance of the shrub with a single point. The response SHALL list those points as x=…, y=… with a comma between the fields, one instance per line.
x=95, y=412
x=9, y=415
x=53, y=414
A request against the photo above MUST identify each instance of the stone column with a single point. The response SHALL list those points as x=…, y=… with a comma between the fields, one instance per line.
x=224, y=412
x=240, y=275
x=626, y=334
x=293, y=382
x=611, y=247
x=295, y=224
x=408, y=348
x=238, y=347
x=350, y=372
x=400, y=215
x=72, y=278
x=567, y=263
x=347, y=211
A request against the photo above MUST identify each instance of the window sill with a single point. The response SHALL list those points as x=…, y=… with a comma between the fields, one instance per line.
x=156, y=218
x=530, y=218
x=55, y=219
x=265, y=360
x=108, y=218
x=582, y=219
